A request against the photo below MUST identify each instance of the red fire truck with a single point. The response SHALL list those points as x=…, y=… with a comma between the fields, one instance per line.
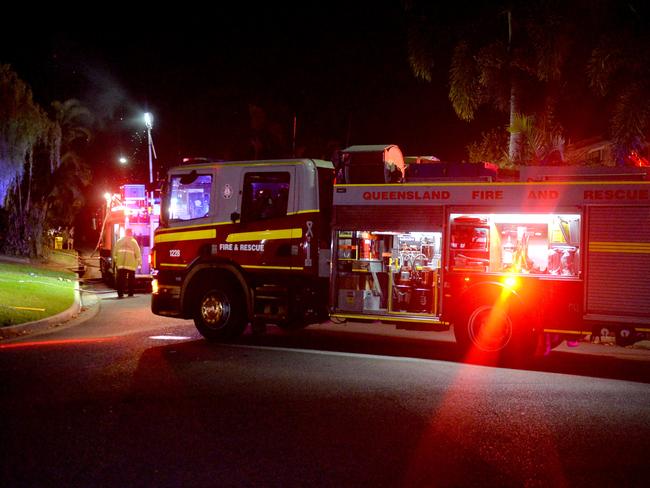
x=129, y=209
x=510, y=265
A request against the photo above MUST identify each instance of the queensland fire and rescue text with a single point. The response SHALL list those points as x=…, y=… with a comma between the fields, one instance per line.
x=512, y=267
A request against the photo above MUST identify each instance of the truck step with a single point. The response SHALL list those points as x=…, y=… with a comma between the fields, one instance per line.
x=270, y=317
x=271, y=290
x=271, y=293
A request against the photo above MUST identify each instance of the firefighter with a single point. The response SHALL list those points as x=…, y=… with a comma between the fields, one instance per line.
x=126, y=258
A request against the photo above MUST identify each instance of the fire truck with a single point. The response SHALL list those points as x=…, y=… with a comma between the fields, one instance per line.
x=131, y=208
x=510, y=265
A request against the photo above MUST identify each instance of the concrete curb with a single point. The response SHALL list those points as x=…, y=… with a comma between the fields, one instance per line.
x=82, y=309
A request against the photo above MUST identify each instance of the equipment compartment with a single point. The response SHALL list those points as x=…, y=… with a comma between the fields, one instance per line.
x=388, y=272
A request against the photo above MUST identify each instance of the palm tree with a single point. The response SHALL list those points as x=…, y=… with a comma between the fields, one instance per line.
x=509, y=56
x=619, y=72
x=73, y=175
x=538, y=145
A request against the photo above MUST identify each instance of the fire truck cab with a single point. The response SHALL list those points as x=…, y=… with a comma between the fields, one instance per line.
x=244, y=242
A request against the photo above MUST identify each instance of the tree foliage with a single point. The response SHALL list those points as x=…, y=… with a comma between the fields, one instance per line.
x=43, y=172
x=509, y=56
x=74, y=174
x=492, y=147
x=540, y=144
x=619, y=73
x=268, y=139
x=533, y=57
x=24, y=127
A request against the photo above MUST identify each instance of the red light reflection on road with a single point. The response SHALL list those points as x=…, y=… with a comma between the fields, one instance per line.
x=456, y=425
x=60, y=342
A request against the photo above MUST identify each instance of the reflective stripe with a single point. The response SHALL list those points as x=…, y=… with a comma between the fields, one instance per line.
x=623, y=247
x=285, y=268
x=185, y=227
x=562, y=331
x=201, y=166
x=265, y=235
x=429, y=319
x=191, y=235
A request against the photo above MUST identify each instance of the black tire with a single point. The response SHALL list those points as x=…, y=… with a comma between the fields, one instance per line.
x=220, y=313
x=484, y=331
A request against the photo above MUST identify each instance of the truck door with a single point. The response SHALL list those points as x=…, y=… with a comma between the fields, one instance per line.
x=266, y=237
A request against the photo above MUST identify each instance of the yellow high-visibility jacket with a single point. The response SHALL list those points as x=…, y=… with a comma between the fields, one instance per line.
x=126, y=254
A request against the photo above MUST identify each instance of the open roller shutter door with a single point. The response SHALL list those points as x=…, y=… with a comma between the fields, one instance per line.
x=618, y=262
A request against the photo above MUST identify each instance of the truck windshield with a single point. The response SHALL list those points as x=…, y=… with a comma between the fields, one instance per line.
x=188, y=198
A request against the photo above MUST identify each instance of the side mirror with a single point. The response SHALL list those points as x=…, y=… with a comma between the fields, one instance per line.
x=235, y=216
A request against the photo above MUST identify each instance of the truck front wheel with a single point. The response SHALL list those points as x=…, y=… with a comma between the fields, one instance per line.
x=219, y=314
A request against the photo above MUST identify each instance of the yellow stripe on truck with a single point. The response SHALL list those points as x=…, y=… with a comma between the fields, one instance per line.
x=192, y=235
x=265, y=235
x=622, y=247
x=285, y=268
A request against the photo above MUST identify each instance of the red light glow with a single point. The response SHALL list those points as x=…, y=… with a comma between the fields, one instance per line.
x=638, y=160
x=511, y=281
x=60, y=342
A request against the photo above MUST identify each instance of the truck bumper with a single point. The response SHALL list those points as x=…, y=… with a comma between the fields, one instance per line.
x=165, y=300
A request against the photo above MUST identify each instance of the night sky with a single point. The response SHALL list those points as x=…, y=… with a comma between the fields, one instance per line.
x=340, y=67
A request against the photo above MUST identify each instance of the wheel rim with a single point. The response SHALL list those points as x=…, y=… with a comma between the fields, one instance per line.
x=215, y=310
x=489, y=329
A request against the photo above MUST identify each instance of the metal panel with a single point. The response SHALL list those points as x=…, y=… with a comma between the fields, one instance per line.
x=618, y=261
x=398, y=219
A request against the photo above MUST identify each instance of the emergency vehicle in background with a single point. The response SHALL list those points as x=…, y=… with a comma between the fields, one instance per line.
x=132, y=208
x=512, y=266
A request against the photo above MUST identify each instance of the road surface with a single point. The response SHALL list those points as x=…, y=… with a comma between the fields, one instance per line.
x=130, y=399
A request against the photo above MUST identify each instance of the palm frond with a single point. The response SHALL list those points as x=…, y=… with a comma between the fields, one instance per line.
x=464, y=91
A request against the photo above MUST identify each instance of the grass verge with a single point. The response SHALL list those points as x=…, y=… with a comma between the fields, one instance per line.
x=29, y=293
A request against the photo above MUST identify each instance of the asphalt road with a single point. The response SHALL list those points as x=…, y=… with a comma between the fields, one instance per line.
x=130, y=399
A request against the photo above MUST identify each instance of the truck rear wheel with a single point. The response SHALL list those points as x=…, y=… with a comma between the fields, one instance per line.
x=488, y=331
x=220, y=314
x=485, y=328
